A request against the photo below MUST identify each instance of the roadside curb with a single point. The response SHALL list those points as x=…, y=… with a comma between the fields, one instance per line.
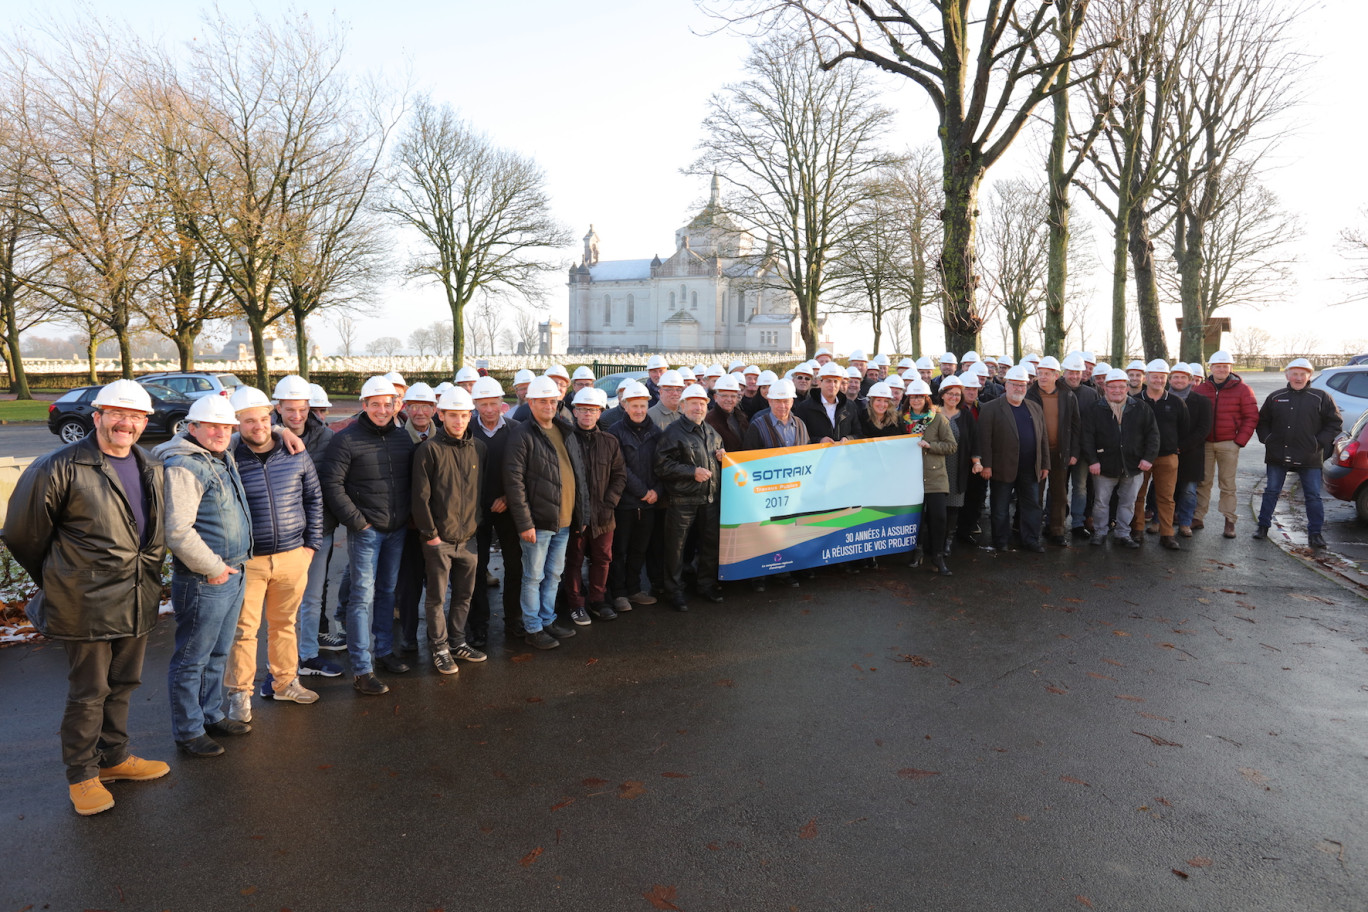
x=1348, y=573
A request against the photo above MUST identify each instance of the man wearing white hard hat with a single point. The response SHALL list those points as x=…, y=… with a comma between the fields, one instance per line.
x=828, y=413
x=1060, y=407
x=1191, y=449
x=465, y=379
x=1120, y=444
x=1015, y=450
x=1298, y=426
x=1234, y=418
x=710, y=376
x=209, y=532
x=948, y=364
x=725, y=416
x=285, y=504
x=520, y=383
x=776, y=426
x=802, y=378
x=493, y=428
x=1135, y=377
x=1171, y=417
x=601, y=486
x=541, y=479
x=95, y=506
x=639, y=508
x=447, y=470
x=822, y=357
x=1077, y=381
x=656, y=365
x=670, y=390
x=400, y=384
x=367, y=484
x=420, y=407
x=854, y=385
x=752, y=400
x=688, y=462
x=319, y=404
x=925, y=370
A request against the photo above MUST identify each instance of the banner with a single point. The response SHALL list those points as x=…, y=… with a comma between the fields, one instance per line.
x=798, y=507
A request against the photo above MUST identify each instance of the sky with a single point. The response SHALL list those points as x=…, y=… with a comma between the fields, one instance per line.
x=608, y=97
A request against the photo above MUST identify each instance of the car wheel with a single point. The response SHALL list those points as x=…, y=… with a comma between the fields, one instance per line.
x=179, y=425
x=71, y=431
x=1361, y=504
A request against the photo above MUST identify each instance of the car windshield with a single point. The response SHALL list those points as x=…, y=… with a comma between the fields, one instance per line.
x=163, y=392
x=73, y=395
x=229, y=381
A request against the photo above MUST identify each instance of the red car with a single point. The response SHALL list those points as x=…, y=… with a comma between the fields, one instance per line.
x=1346, y=471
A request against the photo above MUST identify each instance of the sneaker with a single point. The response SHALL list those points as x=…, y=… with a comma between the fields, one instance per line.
x=90, y=797
x=621, y=604
x=580, y=617
x=467, y=653
x=642, y=598
x=541, y=640
x=602, y=612
x=135, y=769
x=392, y=663
x=319, y=666
x=296, y=692
x=444, y=663
x=203, y=746
x=369, y=684
x=559, y=632
x=332, y=642
x=240, y=706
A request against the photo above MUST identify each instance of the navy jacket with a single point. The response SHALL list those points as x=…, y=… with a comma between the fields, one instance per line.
x=283, y=498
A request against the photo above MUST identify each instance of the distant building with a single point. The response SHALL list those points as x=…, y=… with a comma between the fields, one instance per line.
x=239, y=346
x=714, y=294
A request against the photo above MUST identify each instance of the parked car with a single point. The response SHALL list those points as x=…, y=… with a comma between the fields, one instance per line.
x=1346, y=471
x=69, y=416
x=1358, y=359
x=194, y=384
x=1348, y=386
x=609, y=383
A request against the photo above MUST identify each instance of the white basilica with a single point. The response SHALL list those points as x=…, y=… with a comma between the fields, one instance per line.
x=714, y=294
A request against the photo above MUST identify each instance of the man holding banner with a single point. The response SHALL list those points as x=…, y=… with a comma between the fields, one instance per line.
x=687, y=461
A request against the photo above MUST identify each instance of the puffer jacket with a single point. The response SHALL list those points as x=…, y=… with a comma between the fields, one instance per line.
x=1298, y=427
x=447, y=485
x=208, y=526
x=532, y=477
x=284, y=499
x=685, y=446
x=70, y=526
x=1120, y=448
x=316, y=436
x=638, y=444
x=604, y=478
x=366, y=475
x=1234, y=410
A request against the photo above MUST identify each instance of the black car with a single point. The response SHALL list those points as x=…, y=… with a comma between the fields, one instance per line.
x=69, y=417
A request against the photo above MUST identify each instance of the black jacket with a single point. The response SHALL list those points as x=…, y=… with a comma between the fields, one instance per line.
x=730, y=426
x=603, y=480
x=1070, y=433
x=685, y=446
x=638, y=444
x=1298, y=427
x=1192, y=448
x=495, y=449
x=813, y=414
x=446, y=487
x=532, y=477
x=284, y=500
x=71, y=528
x=968, y=449
x=1119, y=448
x=1171, y=415
x=366, y=474
x=763, y=433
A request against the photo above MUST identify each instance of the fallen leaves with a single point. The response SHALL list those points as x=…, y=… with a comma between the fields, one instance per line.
x=1201, y=861
x=662, y=897
x=1084, y=900
x=563, y=804
x=1150, y=715
x=808, y=830
x=1074, y=781
x=910, y=773
x=523, y=657
x=1100, y=677
x=725, y=682
x=1182, y=874
x=1131, y=698
x=675, y=775
x=1056, y=690
x=593, y=783
x=1253, y=776
x=526, y=860
x=1156, y=740
x=916, y=660
x=631, y=789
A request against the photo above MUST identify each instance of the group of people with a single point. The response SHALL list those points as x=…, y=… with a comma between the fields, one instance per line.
x=593, y=510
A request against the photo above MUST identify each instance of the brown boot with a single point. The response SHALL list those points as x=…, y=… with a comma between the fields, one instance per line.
x=90, y=797
x=1185, y=531
x=1198, y=525
x=1229, y=529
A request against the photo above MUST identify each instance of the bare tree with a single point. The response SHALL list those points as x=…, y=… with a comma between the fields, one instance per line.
x=347, y=333
x=1016, y=255
x=481, y=213
x=871, y=270
x=796, y=147
x=388, y=346
x=486, y=323
x=421, y=339
x=1250, y=344
x=521, y=334
x=914, y=186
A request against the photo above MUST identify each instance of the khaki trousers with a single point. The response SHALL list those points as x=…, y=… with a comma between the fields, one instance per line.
x=1164, y=477
x=1222, y=460
x=274, y=587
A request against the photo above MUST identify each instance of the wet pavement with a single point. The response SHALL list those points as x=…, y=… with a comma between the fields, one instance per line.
x=1090, y=729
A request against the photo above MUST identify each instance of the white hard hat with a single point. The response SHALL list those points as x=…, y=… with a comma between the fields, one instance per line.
x=1089, y=357
x=981, y=369
x=291, y=386
x=1101, y=367
x=245, y=397
x=924, y=363
x=1298, y=363
x=805, y=368
x=700, y=370
x=1004, y=361
x=751, y=369
x=1136, y=365
x=557, y=370
x=1018, y=373
x=853, y=373
x=656, y=362
x=591, y=395
x=582, y=373
x=695, y=392
x=1182, y=367
x=1049, y=361
x=781, y=389
x=735, y=365
x=543, y=388
x=1074, y=362
x=894, y=382
x=467, y=374
x=970, y=355
x=456, y=399
x=951, y=383
x=727, y=384
x=1030, y=367
x=857, y=355
x=214, y=410
x=634, y=390
x=126, y=394
x=881, y=360
x=670, y=378
x=766, y=378
x=832, y=369
x=421, y=392
x=442, y=388
x=1115, y=374
x=949, y=358
x=906, y=364
x=396, y=378
x=1033, y=358
x=1157, y=366
x=486, y=388
x=378, y=386
x=318, y=397
x=523, y=376
x=970, y=380
x=822, y=351
x=880, y=390
x=715, y=371
x=1220, y=357
x=688, y=376
x=918, y=387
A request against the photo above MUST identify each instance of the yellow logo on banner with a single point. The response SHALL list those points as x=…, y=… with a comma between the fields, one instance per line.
x=740, y=478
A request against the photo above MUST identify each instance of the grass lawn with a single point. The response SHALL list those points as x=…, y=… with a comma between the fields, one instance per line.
x=15, y=410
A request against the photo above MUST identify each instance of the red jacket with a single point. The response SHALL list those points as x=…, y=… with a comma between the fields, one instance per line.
x=1234, y=411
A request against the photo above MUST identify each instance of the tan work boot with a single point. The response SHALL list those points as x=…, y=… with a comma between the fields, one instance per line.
x=1229, y=529
x=90, y=797
x=135, y=768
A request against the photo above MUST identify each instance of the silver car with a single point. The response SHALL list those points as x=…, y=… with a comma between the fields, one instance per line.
x=1348, y=386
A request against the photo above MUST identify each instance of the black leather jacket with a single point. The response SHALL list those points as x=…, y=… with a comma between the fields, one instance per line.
x=684, y=447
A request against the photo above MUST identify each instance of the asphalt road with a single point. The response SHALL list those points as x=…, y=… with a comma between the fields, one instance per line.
x=1091, y=729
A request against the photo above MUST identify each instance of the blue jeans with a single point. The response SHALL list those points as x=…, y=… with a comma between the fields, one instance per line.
x=206, y=623
x=315, y=594
x=1078, y=494
x=1027, y=491
x=542, y=563
x=1185, y=503
x=373, y=557
x=1311, y=493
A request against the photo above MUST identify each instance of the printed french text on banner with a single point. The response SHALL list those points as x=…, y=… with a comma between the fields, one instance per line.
x=798, y=507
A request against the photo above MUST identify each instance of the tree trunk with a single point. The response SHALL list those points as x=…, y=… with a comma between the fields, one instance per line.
x=14, y=360
x=914, y=321
x=184, y=338
x=1146, y=283
x=457, y=330
x=92, y=345
x=257, y=326
x=1120, y=262
x=1015, y=327
x=959, y=250
x=301, y=342
x=1057, y=220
